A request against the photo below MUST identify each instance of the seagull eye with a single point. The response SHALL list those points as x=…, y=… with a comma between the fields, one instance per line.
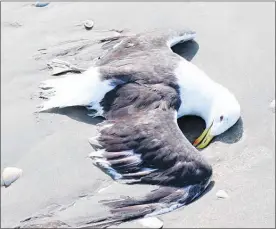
x=221, y=118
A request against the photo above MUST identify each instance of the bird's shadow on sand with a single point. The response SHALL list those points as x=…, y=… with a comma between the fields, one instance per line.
x=187, y=49
x=78, y=113
x=192, y=127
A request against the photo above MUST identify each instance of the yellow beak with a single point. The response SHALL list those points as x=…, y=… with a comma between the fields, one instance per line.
x=204, y=139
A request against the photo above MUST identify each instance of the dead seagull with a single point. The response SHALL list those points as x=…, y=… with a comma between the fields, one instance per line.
x=147, y=59
x=141, y=87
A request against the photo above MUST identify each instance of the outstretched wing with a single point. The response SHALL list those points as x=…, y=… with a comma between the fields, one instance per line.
x=149, y=147
x=140, y=142
x=144, y=145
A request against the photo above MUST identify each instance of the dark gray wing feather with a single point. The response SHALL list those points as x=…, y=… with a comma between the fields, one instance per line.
x=120, y=47
x=155, y=144
x=147, y=147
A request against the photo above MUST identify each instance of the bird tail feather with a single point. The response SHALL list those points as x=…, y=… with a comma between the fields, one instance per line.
x=85, y=89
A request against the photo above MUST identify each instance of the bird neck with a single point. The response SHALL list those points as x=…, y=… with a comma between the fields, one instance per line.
x=198, y=92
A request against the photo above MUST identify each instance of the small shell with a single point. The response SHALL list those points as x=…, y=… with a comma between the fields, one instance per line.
x=88, y=24
x=10, y=175
x=151, y=222
x=41, y=4
x=272, y=105
x=222, y=194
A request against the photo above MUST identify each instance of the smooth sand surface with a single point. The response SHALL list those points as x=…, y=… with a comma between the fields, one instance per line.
x=235, y=47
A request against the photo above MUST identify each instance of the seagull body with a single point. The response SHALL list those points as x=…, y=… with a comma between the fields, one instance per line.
x=141, y=87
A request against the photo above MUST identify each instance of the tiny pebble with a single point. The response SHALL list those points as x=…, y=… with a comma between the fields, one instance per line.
x=88, y=24
x=151, y=222
x=272, y=105
x=222, y=194
x=10, y=175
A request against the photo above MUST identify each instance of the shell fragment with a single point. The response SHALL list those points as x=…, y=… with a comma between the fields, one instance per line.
x=10, y=175
x=222, y=194
x=151, y=222
x=88, y=24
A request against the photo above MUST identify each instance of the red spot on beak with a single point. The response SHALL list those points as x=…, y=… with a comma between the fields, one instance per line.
x=196, y=142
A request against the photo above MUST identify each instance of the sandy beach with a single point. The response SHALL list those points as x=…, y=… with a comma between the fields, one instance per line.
x=235, y=46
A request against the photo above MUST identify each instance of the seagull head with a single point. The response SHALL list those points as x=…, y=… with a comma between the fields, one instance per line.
x=224, y=113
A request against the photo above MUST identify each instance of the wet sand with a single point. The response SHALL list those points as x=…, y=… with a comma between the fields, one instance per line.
x=235, y=46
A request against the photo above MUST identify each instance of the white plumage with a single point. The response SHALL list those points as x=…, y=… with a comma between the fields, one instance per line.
x=86, y=89
x=203, y=97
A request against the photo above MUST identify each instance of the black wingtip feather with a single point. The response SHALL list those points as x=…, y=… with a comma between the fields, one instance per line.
x=158, y=201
